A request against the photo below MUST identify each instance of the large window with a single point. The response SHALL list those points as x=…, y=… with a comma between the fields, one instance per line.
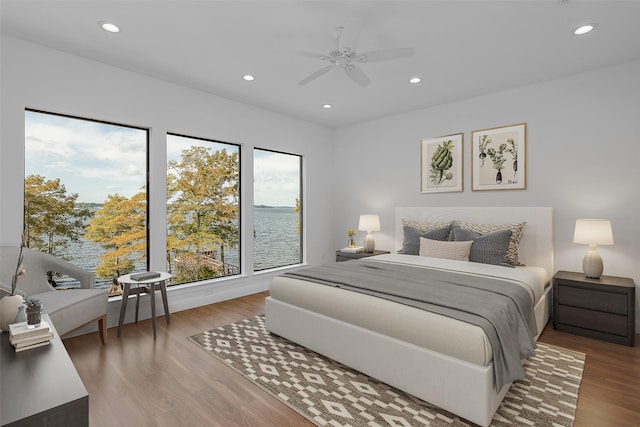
x=85, y=196
x=85, y=200
x=277, y=210
x=203, y=193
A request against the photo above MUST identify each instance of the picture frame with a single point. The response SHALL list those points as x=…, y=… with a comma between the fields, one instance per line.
x=498, y=158
x=441, y=164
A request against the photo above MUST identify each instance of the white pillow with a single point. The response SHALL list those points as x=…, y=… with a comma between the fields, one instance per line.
x=449, y=250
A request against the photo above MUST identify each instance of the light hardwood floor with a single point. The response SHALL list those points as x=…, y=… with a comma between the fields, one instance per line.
x=138, y=381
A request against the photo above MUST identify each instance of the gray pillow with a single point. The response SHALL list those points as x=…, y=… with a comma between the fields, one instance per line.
x=516, y=232
x=411, y=243
x=490, y=248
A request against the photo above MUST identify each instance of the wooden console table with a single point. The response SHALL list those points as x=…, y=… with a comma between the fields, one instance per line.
x=41, y=387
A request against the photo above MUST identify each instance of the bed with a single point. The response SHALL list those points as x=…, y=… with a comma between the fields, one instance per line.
x=404, y=346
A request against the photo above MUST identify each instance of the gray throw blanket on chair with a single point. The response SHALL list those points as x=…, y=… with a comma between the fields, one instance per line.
x=502, y=309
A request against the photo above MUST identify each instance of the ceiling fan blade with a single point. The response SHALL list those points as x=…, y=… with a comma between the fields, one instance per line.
x=357, y=75
x=308, y=54
x=317, y=74
x=385, y=54
x=347, y=40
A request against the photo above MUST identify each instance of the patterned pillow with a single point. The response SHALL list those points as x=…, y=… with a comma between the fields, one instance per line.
x=449, y=250
x=490, y=248
x=425, y=226
x=411, y=242
x=516, y=233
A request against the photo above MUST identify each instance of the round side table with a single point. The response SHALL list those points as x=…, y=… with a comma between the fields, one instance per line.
x=148, y=286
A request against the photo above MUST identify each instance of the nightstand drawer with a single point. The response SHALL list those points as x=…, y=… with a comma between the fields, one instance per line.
x=602, y=308
x=593, y=300
x=593, y=320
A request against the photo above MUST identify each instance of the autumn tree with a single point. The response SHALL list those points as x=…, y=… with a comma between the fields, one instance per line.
x=51, y=219
x=202, y=194
x=120, y=228
x=296, y=209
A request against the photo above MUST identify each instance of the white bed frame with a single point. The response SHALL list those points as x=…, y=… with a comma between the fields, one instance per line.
x=460, y=387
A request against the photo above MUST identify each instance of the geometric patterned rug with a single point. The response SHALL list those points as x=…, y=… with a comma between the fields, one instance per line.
x=331, y=394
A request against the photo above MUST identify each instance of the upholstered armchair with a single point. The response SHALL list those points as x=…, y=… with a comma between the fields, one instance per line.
x=68, y=309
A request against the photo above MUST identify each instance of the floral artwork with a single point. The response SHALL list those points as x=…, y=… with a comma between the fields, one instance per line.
x=498, y=158
x=441, y=164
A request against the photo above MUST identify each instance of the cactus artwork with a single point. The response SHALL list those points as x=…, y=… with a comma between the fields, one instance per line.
x=441, y=162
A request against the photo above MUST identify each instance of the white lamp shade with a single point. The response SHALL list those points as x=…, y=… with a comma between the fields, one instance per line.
x=369, y=223
x=593, y=232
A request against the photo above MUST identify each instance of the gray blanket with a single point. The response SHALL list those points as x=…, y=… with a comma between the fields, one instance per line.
x=503, y=310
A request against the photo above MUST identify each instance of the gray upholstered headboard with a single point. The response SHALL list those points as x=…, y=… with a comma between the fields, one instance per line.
x=536, y=243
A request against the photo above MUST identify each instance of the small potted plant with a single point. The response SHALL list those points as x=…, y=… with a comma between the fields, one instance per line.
x=34, y=312
x=351, y=233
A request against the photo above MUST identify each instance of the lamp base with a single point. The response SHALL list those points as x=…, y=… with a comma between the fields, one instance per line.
x=369, y=243
x=592, y=263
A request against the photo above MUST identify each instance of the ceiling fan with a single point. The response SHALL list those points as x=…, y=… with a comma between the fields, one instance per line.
x=346, y=57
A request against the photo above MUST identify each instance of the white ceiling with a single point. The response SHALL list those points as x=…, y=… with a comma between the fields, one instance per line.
x=462, y=48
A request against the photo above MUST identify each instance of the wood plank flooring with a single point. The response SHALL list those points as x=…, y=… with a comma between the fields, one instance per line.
x=138, y=381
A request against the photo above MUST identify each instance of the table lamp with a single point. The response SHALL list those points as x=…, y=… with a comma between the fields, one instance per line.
x=593, y=232
x=369, y=223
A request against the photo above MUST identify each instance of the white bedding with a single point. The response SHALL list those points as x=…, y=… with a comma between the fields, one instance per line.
x=461, y=340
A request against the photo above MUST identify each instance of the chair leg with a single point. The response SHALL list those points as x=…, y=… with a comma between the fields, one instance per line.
x=102, y=326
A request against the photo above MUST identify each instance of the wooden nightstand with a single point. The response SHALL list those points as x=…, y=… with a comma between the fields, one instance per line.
x=602, y=308
x=346, y=256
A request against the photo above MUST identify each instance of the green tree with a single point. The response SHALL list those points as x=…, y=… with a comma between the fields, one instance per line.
x=119, y=227
x=202, y=194
x=51, y=219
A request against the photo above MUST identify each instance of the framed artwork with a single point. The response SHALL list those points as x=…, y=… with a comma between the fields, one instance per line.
x=441, y=164
x=498, y=158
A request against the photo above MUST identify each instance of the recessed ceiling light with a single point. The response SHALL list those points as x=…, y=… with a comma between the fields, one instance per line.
x=108, y=26
x=248, y=77
x=584, y=29
x=326, y=106
x=414, y=80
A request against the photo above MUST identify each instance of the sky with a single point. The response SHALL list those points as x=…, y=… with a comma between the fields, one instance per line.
x=276, y=178
x=96, y=159
x=92, y=159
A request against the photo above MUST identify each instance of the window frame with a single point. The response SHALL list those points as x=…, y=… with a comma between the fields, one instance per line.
x=240, y=205
x=302, y=240
x=147, y=131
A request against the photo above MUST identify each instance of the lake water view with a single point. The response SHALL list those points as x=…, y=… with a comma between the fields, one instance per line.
x=276, y=243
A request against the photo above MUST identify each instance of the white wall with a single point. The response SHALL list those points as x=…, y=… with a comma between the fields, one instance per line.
x=583, y=149
x=583, y=143
x=36, y=77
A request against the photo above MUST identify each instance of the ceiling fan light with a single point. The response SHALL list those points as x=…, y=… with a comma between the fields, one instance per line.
x=415, y=80
x=584, y=29
x=248, y=77
x=327, y=106
x=110, y=27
